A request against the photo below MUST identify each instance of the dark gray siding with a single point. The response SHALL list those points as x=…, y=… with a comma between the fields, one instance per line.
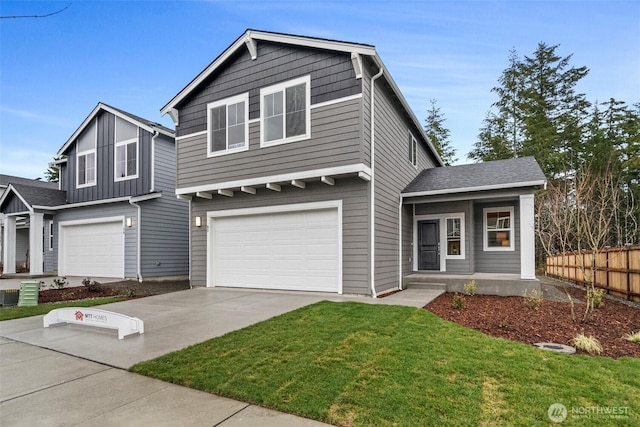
x=393, y=171
x=165, y=221
x=332, y=77
x=499, y=261
x=454, y=266
x=104, y=211
x=14, y=205
x=106, y=187
x=335, y=141
x=355, y=224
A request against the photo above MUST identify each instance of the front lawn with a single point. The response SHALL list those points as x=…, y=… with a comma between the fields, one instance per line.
x=354, y=364
x=18, y=312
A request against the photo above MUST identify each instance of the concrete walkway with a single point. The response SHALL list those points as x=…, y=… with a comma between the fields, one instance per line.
x=72, y=375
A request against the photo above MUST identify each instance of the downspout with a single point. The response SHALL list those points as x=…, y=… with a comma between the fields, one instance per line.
x=372, y=210
x=138, y=226
x=400, y=243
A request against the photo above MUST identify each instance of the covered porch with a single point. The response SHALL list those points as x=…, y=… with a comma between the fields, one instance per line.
x=503, y=284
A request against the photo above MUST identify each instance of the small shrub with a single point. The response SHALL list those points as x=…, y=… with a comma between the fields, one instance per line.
x=532, y=300
x=60, y=283
x=504, y=324
x=470, y=288
x=633, y=337
x=92, y=286
x=588, y=344
x=132, y=293
x=458, y=302
x=595, y=296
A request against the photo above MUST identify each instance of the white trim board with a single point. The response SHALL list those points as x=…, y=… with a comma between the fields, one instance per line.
x=442, y=218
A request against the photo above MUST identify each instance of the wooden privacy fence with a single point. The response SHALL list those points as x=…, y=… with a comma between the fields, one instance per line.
x=616, y=269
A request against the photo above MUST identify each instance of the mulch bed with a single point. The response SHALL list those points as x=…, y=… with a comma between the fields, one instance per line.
x=510, y=318
x=127, y=289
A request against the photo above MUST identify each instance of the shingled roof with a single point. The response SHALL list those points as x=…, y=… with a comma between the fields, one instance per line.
x=33, y=195
x=499, y=174
x=5, y=180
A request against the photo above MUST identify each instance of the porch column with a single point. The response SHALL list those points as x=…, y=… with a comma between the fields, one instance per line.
x=9, y=245
x=36, y=227
x=527, y=237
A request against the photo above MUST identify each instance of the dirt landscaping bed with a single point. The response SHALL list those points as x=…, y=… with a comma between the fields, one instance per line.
x=510, y=318
x=125, y=288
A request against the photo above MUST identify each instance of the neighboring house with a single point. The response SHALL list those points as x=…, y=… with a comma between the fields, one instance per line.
x=114, y=212
x=22, y=223
x=303, y=164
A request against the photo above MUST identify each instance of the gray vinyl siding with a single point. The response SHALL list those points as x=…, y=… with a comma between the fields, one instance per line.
x=335, y=141
x=393, y=171
x=407, y=239
x=106, y=187
x=332, y=77
x=22, y=245
x=498, y=261
x=164, y=246
x=49, y=255
x=454, y=266
x=104, y=211
x=354, y=194
x=14, y=205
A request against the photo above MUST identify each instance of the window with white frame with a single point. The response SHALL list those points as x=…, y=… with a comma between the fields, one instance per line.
x=499, y=233
x=227, y=126
x=50, y=234
x=285, y=112
x=413, y=150
x=86, y=157
x=126, y=146
x=455, y=236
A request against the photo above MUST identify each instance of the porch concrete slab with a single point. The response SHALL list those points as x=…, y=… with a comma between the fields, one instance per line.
x=411, y=297
x=254, y=415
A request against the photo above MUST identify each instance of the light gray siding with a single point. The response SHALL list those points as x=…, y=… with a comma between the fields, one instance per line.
x=335, y=141
x=500, y=261
x=393, y=172
x=48, y=255
x=355, y=222
x=164, y=222
x=104, y=211
x=106, y=187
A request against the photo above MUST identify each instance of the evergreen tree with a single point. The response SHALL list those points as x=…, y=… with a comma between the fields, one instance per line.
x=52, y=174
x=439, y=134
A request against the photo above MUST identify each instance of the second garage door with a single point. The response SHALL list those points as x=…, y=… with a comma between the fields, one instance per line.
x=93, y=250
x=282, y=250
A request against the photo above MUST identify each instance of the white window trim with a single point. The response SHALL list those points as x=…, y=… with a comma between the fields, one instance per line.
x=459, y=216
x=117, y=144
x=512, y=231
x=443, y=237
x=50, y=234
x=95, y=166
x=226, y=102
x=414, y=151
x=279, y=88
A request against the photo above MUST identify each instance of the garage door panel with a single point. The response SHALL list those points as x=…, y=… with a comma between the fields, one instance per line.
x=93, y=250
x=285, y=250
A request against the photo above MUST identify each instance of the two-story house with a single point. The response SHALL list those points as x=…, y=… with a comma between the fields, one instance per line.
x=114, y=213
x=303, y=164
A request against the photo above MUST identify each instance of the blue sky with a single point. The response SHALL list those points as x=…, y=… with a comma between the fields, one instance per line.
x=137, y=55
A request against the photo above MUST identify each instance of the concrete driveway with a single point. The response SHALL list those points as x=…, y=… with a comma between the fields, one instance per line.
x=72, y=374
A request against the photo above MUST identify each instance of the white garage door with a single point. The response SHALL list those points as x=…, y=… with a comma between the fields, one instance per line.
x=93, y=250
x=285, y=250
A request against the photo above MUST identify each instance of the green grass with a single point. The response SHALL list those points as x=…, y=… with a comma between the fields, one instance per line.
x=18, y=312
x=356, y=364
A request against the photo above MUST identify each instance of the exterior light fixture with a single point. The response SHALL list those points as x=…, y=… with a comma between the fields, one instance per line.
x=198, y=221
x=129, y=222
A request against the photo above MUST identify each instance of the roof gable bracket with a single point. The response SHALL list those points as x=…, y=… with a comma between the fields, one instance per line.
x=174, y=116
x=356, y=60
x=252, y=46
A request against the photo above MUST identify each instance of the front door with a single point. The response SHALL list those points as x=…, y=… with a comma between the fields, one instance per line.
x=429, y=245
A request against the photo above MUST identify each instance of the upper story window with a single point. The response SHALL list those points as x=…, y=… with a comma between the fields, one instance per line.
x=227, y=126
x=498, y=229
x=126, y=154
x=86, y=157
x=413, y=150
x=284, y=110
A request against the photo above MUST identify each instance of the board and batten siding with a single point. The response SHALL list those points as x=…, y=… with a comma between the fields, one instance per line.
x=164, y=246
x=14, y=205
x=106, y=187
x=97, y=212
x=393, y=171
x=354, y=194
x=332, y=77
x=454, y=266
x=335, y=141
x=496, y=261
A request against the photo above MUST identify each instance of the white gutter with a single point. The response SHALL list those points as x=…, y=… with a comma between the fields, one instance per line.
x=478, y=188
x=153, y=160
x=138, y=274
x=372, y=210
x=400, y=243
